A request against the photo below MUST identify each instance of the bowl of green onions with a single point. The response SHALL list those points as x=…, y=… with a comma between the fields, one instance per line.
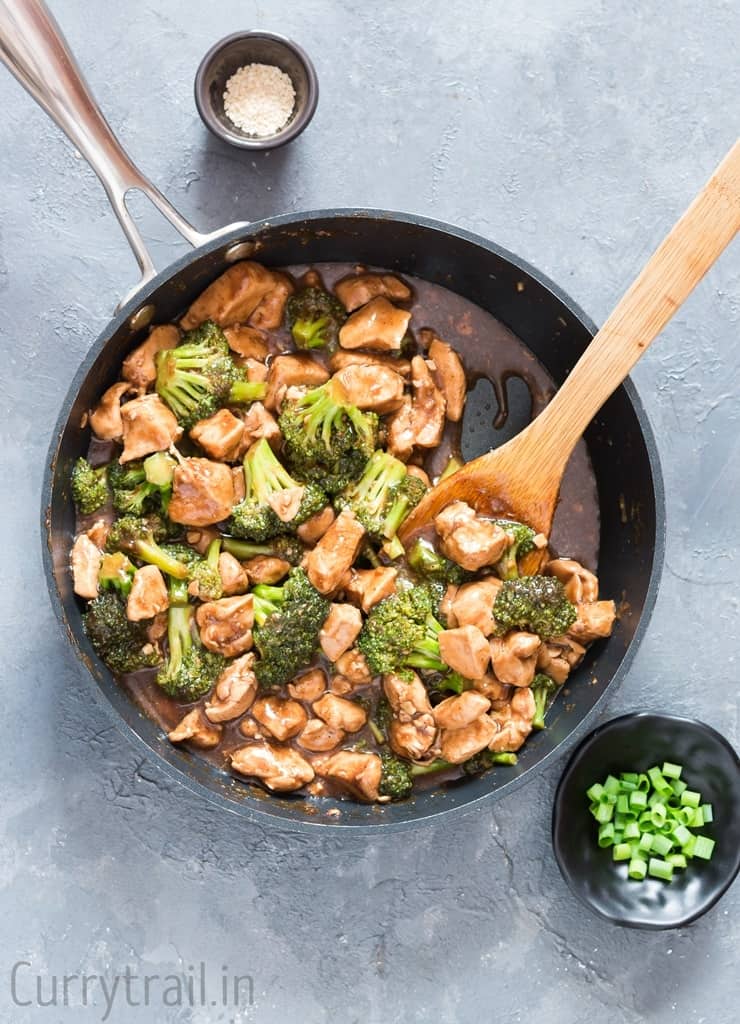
x=646, y=821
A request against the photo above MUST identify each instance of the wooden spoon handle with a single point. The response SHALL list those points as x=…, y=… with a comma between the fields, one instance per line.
x=676, y=266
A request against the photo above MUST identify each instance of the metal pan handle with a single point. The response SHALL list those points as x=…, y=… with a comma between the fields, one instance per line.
x=34, y=50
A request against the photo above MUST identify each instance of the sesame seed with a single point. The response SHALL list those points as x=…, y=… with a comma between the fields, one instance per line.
x=259, y=99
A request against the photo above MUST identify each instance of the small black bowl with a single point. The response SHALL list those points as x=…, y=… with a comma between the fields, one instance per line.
x=231, y=53
x=635, y=742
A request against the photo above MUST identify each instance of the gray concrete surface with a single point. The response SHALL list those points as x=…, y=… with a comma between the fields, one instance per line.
x=573, y=132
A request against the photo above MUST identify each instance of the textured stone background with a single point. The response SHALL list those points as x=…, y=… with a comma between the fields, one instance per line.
x=572, y=132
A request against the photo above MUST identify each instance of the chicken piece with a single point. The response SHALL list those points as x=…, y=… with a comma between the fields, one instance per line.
x=334, y=554
x=308, y=686
x=367, y=587
x=356, y=772
x=449, y=376
x=292, y=371
x=371, y=387
x=513, y=722
x=240, y=487
x=318, y=737
x=497, y=692
x=379, y=326
x=580, y=585
x=473, y=604
x=457, y=745
x=148, y=427
x=247, y=342
x=595, y=620
x=249, y=728
x=139, y=367
x=428, y=406
x=201, y=539
x=280, y=717
x=197, y=730
x=148, y=596
x=447, y=606
x=400, y=430
x=98, y=533
x=85, y=559
x=412, y=732
x=233, y=577
x=105, y=419
x=340, y=630
x=220, y=436
x=468, y=539
x=514, y=657
x=226, y=625
x=271, y=310
x=343, y=358
x=314, y=528
x=259, y=423
x=420, y=474
x=556, y=658
x=280, y=768
x=461, y=710
x=232, y=297
x=256, y=371
x=266, y=569
x=343, y=687
x=359, y=289
x=354, y=666
x=202, y=493
x=234, y=691
x=465, y=650
x=157, y=628
x=340, y=713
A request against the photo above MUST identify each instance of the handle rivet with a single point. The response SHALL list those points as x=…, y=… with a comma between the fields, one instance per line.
x=142, y=317
x=239, y=251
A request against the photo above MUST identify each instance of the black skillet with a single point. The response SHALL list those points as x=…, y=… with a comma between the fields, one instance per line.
x=620, y=441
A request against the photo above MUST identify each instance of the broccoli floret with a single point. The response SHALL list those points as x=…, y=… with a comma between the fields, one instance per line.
x=190, y=670
x=486, y=759
x=116, y=573
x=401, y=633
x=383, y=496
x=314, y=318
x=327, y=440
x=121, y=644
x=89, y=487
x=198, y=377
x=396, y=780
x=204, y=572
x=543, y=690
x=265, y=479
x=286, y=547
x=535, y=603
x=424, y=560
x=287, y=623
x=140, y=538
x=522, y=542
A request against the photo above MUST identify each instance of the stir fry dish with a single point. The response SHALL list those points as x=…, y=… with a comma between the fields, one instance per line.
x=237, y=541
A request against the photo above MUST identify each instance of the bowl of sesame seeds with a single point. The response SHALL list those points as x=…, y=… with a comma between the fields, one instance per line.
x=256, y=90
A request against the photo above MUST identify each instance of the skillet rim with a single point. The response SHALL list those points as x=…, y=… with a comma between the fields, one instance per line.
x=266, y=814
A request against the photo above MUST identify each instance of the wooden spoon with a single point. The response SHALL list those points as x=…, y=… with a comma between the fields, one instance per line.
x=521, y=479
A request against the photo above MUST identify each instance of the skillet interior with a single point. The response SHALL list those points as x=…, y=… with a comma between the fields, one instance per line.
x=620, y=444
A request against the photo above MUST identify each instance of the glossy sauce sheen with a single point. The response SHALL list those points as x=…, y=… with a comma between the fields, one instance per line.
x=490, y=352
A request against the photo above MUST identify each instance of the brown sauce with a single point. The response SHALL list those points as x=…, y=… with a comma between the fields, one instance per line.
x=490, y=353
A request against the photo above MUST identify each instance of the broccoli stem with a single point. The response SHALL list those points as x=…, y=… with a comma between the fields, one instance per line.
x=434, y=766
x=378, y=734
x=504, y=757
x=453, y=464
x=152, y=553
x=245, y=391
x=242, y=549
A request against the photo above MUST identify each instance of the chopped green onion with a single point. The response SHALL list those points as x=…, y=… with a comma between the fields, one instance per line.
x=621, y=851
x=638, y=799
x=671, y=771
x=604, y=813
x=677, y=860
x=661, y=844
x=697, y=818
x=643, y=782
x=606, y=834
x=688, y=848
x=658, y=815
x=706, y=810
x=703, y=847
x=632, y=830
x=678, y=786
x=681, y=834
x=690, y=798
x=646, y=842
x=660, y=869
x=637, y=869
x=594, y=792
x=611, y=785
